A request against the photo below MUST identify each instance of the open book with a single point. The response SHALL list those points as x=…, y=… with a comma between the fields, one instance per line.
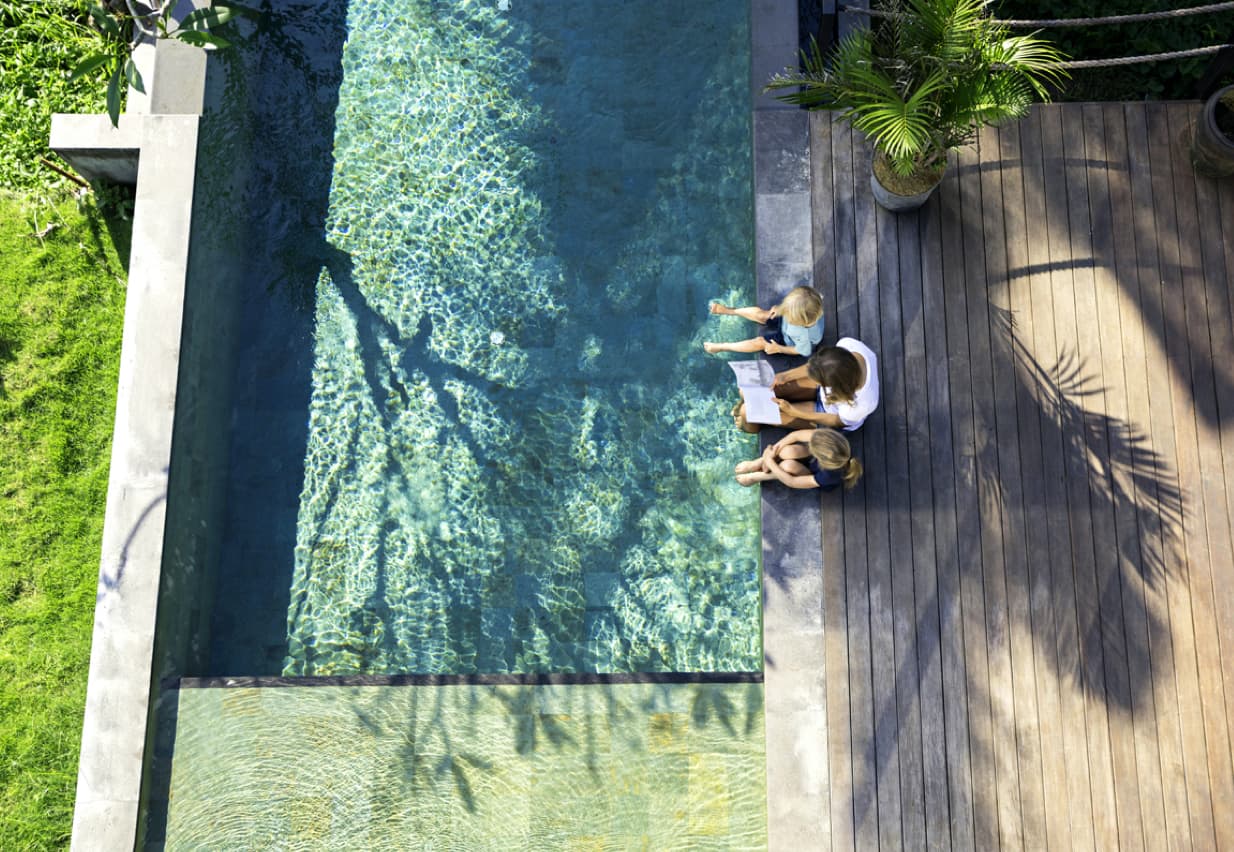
x=754, y=380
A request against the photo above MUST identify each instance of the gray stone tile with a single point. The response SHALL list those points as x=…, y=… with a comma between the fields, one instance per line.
x=781, y=151
x=776, y=279
x=766, y=61
x=782, y=227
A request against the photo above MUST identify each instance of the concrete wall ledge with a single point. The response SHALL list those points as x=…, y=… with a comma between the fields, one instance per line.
x=95, y=149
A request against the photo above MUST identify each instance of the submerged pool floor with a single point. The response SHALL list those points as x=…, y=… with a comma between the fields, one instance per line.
x=474, y=430
x=629, y=766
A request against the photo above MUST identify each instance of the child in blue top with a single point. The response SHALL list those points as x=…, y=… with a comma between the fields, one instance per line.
x=793, y=327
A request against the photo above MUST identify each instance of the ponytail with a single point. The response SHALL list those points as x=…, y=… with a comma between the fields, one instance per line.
x=852, y=472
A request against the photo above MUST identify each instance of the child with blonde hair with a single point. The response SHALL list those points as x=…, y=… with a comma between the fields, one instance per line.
x=807, y=458
x=793, y=327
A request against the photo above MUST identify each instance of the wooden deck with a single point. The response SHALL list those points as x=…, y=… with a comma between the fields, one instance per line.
x=1029, y=600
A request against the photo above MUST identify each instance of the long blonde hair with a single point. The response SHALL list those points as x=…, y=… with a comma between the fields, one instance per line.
x=802, y=306
x=832, y=452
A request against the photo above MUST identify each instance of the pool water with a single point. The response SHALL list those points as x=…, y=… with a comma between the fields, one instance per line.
x=617, y=766
x=473, y=428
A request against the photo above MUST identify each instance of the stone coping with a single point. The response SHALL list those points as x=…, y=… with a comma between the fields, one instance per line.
x=795, y=710
x=154, y=148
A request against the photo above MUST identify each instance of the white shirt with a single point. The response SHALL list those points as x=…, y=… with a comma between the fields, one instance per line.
x=853, y=414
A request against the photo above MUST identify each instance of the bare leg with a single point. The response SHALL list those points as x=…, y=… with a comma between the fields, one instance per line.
x=794, y=468
x=794, y=451
x=739, y=417
x=751, y=466
x=752, y=313
x=757, y=476
x=754, y=344
x=798, y=391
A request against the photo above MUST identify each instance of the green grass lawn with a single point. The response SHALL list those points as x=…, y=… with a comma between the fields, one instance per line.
x=61, y=317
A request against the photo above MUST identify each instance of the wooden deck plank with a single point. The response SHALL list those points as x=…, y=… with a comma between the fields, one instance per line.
x=1050, y=343
x=1126, y=400
x=1213, y=362
x=897, y=233
x=1105, y=400
x=1155, y=483
x=861, y=698
x=919, y=515
x=1153, y=185
x=1031, y=302
x=835, y=614
x=1002, y=243
x=872, y=279
x=978, y=247
x=1210, y=536
x=959, y=195
x=1075, y=379
x=950, y=617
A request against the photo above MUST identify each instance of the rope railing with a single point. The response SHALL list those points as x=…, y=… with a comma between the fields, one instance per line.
x=1111, y=19
x=1147, y=57
x=1047, y=23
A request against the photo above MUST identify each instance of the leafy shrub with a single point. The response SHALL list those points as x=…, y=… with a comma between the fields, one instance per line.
x=40, y=44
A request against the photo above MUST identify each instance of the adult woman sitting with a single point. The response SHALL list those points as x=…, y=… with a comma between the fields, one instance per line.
x=837, y=388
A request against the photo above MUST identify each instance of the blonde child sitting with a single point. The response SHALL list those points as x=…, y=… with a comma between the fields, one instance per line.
x=807, y=458
x=793, y=327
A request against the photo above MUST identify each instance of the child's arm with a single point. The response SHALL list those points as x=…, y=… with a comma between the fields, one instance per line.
x=800, y=436
x=822, y=418
x=773, y=348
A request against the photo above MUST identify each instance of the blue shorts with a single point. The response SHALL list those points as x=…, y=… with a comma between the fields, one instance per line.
x=818, y=406
x=773, y=331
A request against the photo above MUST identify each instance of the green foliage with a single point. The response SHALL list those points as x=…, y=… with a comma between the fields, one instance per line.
x=120, y=31
x=40, y=43
x=61, y=315
x=1170, y=80
x=922, y=80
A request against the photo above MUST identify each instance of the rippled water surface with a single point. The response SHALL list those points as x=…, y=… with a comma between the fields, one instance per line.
x=487, y=241
x=632, y=766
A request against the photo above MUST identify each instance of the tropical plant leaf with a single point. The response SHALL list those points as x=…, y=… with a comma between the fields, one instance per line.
x=133, y=76
x=113, y=96
x=106, y=21
x=89, y=65
x=199, y=38
x=204, y=20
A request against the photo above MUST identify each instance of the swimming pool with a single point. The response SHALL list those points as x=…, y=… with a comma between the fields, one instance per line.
x=454, y=550
x=472, y=429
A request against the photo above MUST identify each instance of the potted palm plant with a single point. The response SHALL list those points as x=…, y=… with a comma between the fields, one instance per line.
x=919, y=82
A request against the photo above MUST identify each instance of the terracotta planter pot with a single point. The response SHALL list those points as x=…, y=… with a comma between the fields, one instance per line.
x=1212, y=151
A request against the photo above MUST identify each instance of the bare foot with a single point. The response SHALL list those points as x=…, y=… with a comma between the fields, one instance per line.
x=749, y=466
x=747, y=479
x=711, y=347
x=718, y=308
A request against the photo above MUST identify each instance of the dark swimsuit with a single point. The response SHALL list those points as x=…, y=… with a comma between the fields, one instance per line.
x=773, y=330
x=828, y=480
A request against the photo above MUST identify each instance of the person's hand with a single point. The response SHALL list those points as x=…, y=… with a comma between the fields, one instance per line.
x=785, y=406
x=778, y=381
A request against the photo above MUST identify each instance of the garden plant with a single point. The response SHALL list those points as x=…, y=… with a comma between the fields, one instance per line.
x=921, y=80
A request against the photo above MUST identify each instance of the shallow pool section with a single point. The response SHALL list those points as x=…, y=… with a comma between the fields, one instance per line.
x=625, y=766
x=474, y=429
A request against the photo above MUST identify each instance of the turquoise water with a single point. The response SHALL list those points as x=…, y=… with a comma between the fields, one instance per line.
x=474, y=428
